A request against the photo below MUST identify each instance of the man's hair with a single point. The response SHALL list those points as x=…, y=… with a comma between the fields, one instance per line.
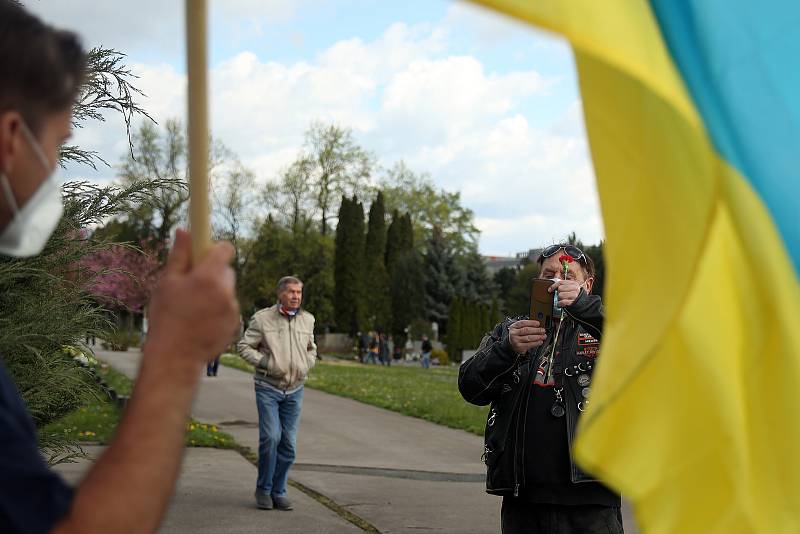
x=41, y=68
x=285, y=281
x=586, y=262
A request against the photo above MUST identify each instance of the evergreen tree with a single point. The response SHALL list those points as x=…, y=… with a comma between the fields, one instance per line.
x=596, y=253
x=407, y=277
x=440, y=271
x=277, y=251
x=494, y=315
x=483, y=326
x=472, y=325
x=454, y=329
x=504, y=281
x=474, y=282
x=406, y=232
x=378, y=301
x=408, y=292
x=357, y=262
x=393, y=242
x=467, y=324
x=341, y=302
x=317, y=276
x=376, y=230
x=348, y=266
x=260, y=276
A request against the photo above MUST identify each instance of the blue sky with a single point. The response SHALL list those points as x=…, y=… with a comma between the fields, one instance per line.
x=485, y=105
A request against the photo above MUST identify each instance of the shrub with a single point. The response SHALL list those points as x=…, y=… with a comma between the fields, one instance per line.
x=441, y=356
x=420, y=327
x=121, y=340
x=44, y=304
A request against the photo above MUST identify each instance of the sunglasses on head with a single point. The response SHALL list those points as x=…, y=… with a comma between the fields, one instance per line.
x=572, y=251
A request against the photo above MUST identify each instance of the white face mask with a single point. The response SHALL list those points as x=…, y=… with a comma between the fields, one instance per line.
x=31, y=226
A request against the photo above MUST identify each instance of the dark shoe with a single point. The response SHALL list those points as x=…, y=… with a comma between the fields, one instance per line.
x=282, y=503
x=263, y=500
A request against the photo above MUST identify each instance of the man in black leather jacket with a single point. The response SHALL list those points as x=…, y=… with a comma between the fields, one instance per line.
x=538, y=384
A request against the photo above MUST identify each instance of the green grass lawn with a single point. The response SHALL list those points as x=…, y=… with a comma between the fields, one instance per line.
x=96, y=421
x=428, y=394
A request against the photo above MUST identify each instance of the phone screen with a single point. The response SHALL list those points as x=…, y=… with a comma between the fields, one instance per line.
x=542, y=302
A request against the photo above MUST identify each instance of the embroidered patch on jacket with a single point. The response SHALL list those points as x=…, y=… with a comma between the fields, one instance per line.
x=587, y=345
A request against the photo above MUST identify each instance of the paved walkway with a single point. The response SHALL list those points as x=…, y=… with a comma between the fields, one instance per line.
x=213, y=496
x=399, y=473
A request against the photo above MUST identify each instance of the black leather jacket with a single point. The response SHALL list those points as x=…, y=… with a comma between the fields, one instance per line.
x=496, y=375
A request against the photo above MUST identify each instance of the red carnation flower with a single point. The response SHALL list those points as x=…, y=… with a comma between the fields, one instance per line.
x=565, y=258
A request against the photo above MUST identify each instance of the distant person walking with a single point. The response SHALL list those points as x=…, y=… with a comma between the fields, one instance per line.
x=393, y=349
x=373, y=348
x=383, y=349
x=427, y=349
x=363, y=341
x=213, y=366
x=279, y=343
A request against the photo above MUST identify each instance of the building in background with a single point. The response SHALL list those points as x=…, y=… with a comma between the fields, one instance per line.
x=495, y=263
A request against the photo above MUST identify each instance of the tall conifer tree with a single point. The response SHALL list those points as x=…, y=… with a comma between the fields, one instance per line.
x=377, y=298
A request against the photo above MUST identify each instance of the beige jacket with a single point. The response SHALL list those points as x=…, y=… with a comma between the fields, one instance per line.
x=282, y=349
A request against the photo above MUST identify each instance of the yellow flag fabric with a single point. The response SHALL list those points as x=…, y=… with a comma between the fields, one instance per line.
x=694, y=408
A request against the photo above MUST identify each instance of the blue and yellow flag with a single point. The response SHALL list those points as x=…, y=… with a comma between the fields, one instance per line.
x=693, y=115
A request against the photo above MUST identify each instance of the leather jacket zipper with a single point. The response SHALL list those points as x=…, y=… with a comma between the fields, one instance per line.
x=568, y=418
x=519, y=453
x=573, y=477
x=572, y=470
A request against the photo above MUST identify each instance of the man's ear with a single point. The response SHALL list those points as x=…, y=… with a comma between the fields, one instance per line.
x=10, y=123
x=589, y=283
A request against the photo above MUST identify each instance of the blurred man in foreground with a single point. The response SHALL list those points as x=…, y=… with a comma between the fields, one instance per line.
x=193, y=313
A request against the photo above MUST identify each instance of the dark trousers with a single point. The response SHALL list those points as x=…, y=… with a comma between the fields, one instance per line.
x=522, y=517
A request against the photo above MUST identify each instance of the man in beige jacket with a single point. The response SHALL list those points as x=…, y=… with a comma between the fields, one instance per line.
x=279, y=343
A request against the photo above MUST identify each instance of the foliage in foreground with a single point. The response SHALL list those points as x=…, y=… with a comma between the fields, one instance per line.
x=96, y=421
x=45, y=306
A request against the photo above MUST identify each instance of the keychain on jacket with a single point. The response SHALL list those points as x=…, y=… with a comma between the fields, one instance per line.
x=544, y=366
x=545, y=377
x=558, y=409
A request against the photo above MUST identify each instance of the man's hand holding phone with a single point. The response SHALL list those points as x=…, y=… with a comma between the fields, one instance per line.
x=525, y=335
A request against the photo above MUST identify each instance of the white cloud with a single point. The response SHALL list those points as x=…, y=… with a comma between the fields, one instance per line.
x=158, y=26
x=488, y=26
x=120, y=25
x=407, y=95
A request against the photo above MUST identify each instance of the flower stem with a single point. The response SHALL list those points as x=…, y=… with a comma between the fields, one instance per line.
x=551, y=359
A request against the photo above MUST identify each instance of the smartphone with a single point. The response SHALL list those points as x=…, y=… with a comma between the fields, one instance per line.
x=542, y=302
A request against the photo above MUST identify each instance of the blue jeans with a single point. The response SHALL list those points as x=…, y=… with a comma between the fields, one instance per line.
x=278, y=419
x=426, y=360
